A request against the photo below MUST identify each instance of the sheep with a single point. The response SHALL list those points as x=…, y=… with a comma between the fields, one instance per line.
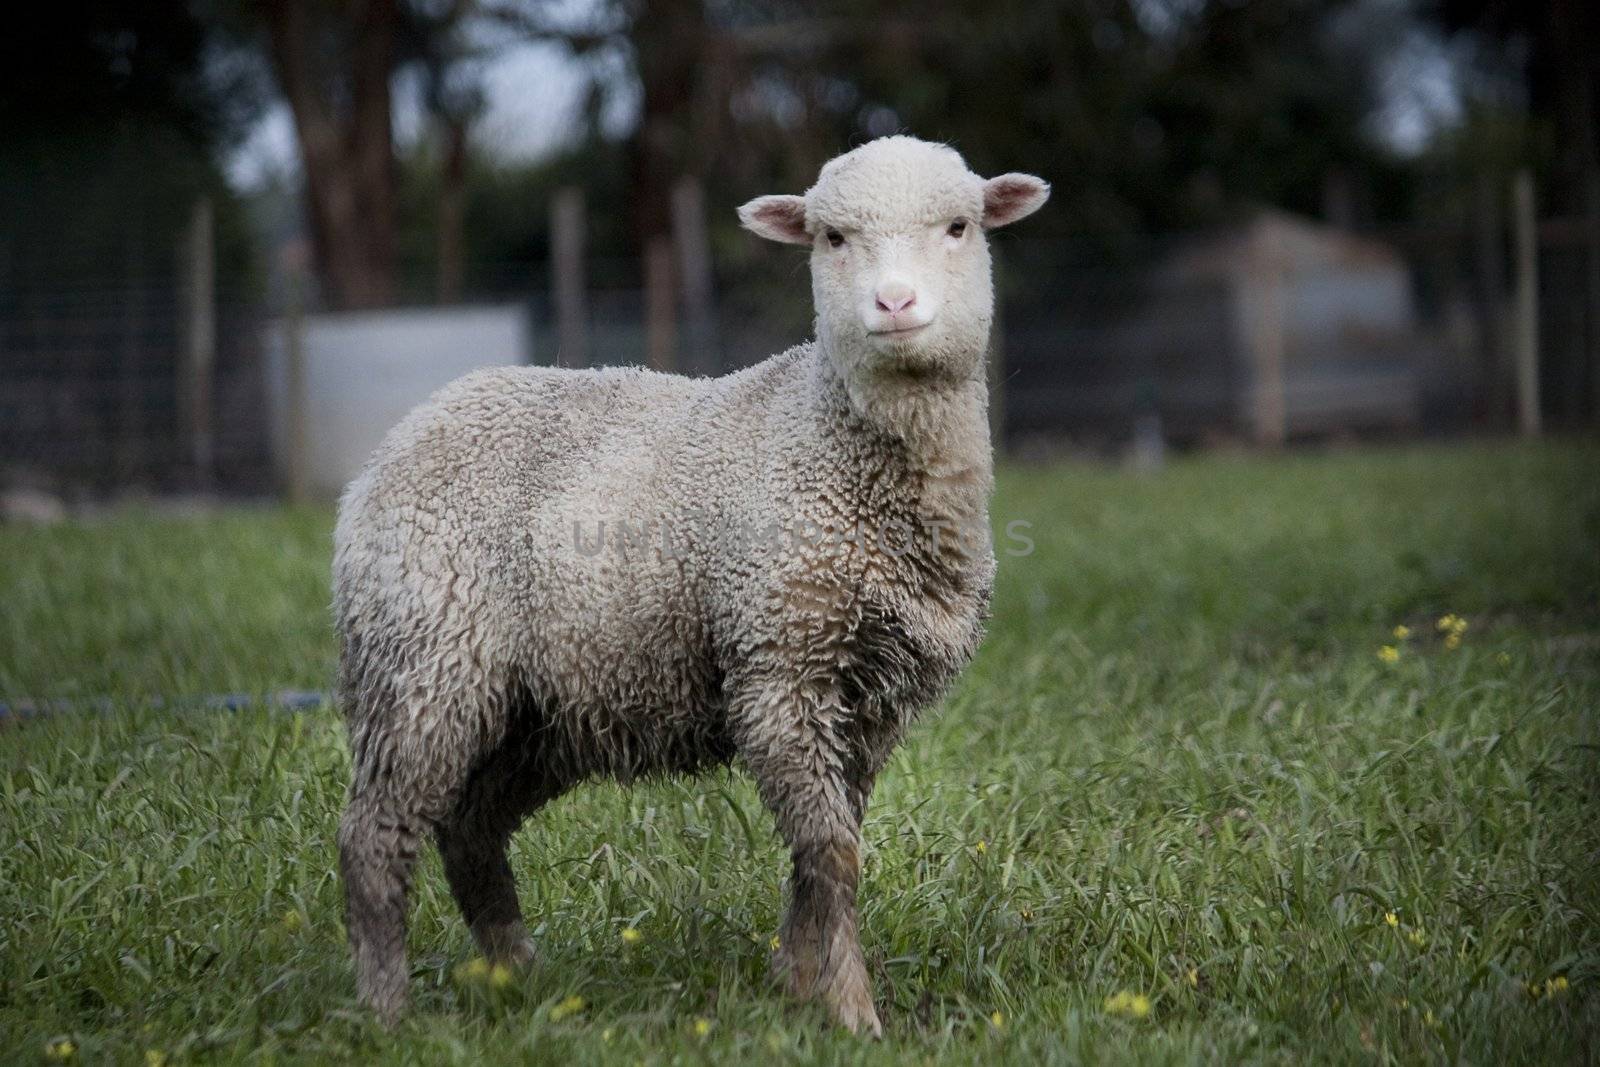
x=497, y=647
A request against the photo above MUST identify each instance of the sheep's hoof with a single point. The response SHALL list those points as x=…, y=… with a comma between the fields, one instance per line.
x=847, y=997
x=854, y=1011
x=508, y=944
x=519, y=953
x=388, y=1011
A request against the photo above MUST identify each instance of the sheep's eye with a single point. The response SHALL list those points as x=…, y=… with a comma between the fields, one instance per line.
x=835, y=238
x=958, y=227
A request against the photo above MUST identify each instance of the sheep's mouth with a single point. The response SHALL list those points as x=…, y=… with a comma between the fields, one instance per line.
x=899, y=332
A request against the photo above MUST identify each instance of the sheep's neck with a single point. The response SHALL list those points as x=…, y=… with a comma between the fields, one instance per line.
x=941, y=422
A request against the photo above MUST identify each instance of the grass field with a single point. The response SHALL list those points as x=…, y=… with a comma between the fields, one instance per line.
x=1180, y=808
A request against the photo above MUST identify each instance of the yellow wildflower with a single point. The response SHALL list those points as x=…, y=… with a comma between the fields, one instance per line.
x=63, y=1049
x=631, y=936
x=1452, y=641
x=1402, y=632
x=982, y=847
x=500, y=976
x=1429, y=1019
x=568, y=1008
x=1133, y=1005
x=1417, y=937
x=1193, y=977
x=776, y=944
x=997, y=1019
x=1555, y=986
x=1392, y=919
x=702, y=1027
x=1389, y=654
x=474, y=970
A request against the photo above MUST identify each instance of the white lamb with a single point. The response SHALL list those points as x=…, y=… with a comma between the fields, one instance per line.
x=544, y=576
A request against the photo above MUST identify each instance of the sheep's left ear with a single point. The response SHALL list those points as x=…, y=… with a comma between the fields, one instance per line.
x=1011, y=197
x=777, y=218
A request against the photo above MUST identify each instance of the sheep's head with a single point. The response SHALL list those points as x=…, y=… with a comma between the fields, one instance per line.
x=899, y=263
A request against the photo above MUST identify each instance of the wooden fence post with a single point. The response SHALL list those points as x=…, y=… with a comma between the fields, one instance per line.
x=200, y=341
x=1269, y=339
x=567, y=281
x=132, y=449
x=701, y=354
x=1524, y=224
x=660, y=325
x=1489, y=272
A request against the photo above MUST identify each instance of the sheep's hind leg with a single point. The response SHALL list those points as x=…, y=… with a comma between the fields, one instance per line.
x=378, y=840
x=473, y=843
x=402, y=787
x=816, y=790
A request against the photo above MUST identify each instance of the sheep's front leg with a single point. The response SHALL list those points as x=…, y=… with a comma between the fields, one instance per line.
x=812, y=780
x=819, y=947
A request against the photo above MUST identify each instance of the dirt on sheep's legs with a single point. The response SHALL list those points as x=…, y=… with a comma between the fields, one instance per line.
x=473, y=844
x=377, y=852
x=819, y=947
x=486, y=891
x=797, y=748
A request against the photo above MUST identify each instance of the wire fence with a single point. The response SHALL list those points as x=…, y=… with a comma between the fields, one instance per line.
x=1266, y=332
x=93, y=389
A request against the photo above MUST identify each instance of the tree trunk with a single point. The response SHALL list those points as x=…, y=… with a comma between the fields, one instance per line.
x=452, y=211
x=341, y=110
x=669, y=38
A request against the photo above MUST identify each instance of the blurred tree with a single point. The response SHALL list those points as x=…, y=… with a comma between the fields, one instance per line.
x=455, y=98
x=1551, y=46
x=112, y=118
x=334, y=60
x=1149, y=115
x=670, y=40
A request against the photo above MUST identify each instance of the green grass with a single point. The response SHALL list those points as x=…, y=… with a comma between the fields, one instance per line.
x=1178, y=768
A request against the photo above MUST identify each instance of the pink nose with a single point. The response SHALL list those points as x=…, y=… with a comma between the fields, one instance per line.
x=895, y=297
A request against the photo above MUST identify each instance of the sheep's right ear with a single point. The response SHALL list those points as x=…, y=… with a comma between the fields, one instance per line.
x=777, y=218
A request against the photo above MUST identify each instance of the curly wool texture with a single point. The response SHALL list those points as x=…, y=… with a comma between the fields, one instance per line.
x=545, y=575
x=463, y=586
x=483, y=565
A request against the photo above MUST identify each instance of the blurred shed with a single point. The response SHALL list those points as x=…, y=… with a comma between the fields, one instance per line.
x=1279, y=327
x=336, y=382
